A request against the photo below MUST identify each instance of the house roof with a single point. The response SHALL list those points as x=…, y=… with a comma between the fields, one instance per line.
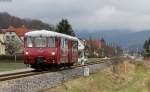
x=19, y=31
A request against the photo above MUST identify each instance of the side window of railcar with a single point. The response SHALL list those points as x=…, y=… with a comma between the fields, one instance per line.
x=29, y=42
x=75, y=44
x=51, y=42
x=64, y=43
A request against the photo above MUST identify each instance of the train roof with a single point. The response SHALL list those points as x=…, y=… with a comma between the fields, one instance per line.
x=47, y=33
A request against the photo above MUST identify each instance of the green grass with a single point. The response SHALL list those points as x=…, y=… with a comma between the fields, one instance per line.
x=94, y=59
x=7, y=65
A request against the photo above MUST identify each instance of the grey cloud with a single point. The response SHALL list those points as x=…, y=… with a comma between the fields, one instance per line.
x=85, y=14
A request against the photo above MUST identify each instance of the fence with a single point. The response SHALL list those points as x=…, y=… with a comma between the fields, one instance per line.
x=14, y=57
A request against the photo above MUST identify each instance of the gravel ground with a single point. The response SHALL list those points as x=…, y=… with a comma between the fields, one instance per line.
x=48, y=80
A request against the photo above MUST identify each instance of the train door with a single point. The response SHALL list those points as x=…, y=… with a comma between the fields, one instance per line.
x=64, y=50
x=58, y=46
x=75, y=51
x=69, y=51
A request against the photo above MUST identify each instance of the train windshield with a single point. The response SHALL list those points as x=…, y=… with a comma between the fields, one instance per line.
x=29, y=42
x=40, y=42
x=51, y=42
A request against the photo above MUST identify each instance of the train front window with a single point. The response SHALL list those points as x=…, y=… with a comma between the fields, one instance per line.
x=29, y=42
x=40, y=42
x=51, y=42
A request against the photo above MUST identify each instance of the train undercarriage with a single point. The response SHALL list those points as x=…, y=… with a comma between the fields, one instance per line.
x=40, y=65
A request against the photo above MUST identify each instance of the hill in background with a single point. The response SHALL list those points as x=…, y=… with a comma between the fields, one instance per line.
x=7, y=20
x=124, y=38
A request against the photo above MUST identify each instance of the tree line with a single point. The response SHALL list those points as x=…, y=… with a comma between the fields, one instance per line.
x=147, y=48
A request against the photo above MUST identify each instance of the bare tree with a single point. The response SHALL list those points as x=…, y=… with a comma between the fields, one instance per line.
x=13, y=46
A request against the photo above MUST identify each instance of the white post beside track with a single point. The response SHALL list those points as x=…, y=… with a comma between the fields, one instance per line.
x=86, y=71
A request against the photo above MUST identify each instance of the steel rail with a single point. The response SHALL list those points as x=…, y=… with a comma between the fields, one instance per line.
x=20, y=75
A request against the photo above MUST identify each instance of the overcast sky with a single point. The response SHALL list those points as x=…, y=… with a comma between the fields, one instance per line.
x=85, y=14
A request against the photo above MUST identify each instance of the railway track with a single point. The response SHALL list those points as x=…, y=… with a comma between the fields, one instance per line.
x=16, y=75
x=20, y=75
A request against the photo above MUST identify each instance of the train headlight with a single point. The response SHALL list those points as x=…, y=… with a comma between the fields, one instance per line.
x=26, y=53
x=53, y=53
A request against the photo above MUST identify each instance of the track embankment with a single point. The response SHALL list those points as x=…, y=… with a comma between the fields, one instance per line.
x=47, y=80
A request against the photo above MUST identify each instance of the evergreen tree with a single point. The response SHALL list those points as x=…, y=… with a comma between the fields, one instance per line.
x=64, y=27
x=147, y=47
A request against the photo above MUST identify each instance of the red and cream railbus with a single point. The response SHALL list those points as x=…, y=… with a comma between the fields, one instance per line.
x=43, y=48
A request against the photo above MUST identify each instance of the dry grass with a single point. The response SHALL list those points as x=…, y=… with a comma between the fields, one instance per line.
x=128, y=77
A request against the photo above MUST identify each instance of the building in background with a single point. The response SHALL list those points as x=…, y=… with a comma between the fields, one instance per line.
x=14, y=35
x=2, y=43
